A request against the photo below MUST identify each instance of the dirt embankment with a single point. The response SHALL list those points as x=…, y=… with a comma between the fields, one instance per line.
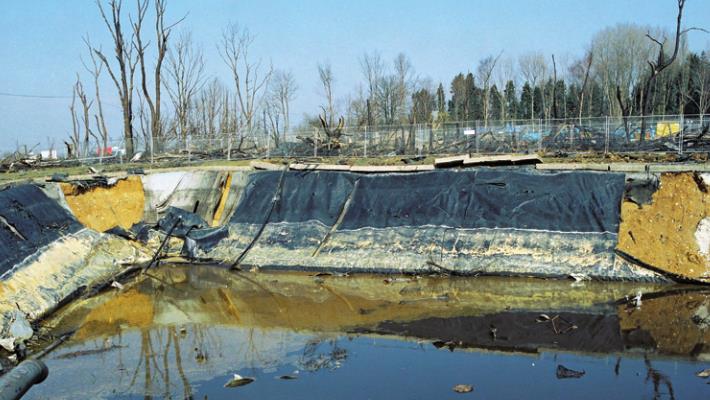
x=102, y=208
x=663, y=234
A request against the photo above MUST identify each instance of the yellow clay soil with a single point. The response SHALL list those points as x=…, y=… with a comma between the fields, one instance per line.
x=662, y=234
x=103, y=208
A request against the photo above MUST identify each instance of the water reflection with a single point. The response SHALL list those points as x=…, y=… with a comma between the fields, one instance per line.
x=183, y=331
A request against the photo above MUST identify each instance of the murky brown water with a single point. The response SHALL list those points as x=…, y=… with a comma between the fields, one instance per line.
x=183, y=332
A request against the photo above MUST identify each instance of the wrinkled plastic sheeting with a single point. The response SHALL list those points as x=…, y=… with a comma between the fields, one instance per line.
x=54, y=273
x=481, y=221
x=198, y=192
x=29, y=220
x=46, y=255
x=471, y=199
x=196, y=232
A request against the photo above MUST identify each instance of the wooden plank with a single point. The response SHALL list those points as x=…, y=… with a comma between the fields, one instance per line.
x=573, y=166
x=450, y=161
x=704, y=167
x=301, y=167
x=503, y=159
x=265, y=165
x=383, y=168
x=332, y=167
x=318, y=167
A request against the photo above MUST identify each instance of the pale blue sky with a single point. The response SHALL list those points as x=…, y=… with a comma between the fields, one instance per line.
x=40, y=42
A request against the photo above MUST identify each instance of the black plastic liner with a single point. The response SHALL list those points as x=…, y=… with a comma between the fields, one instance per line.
x=516, y=331
x=193, y=228
x=305, y=196
x=30, y=220
x=472, y=198
x=181, y=222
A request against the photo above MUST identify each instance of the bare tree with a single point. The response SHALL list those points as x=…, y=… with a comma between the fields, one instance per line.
x=325, y=75
x=209, y=106
x=282, y=91
x=86, y=109
x=95, y=70
x=485, y=71
x=505, y=73
x=620, y=54
x=534, y=68
x=249, y=78
x=580, y=70
x=185, y=79
x=405, y=84
x=162, y=35
x=662, y=62
x=699, y=85
x=75, y=137
x=373, y=70
x=143, y=120
x=123, y=73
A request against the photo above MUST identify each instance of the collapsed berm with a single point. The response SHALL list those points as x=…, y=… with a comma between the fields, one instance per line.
x=60, y=240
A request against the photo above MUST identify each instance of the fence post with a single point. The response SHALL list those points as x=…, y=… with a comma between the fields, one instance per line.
x=268, y=145
x=476, y=138
x=606, y=135
x=229, y=146
x=367, y=134
x=315, y=142
x=539, y=137
x=681, y=120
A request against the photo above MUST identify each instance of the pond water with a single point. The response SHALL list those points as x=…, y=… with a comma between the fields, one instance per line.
x=184, y=331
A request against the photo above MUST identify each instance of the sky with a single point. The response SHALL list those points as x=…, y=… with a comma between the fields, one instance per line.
x=41, y=43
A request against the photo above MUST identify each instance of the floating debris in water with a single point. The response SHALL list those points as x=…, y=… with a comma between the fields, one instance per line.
x=201, y=356
x=543, y=318
x=451, y=345
x=564, y=372
x=635, y=301
x=463, y=388
x=580, y=277
x=337, y=274
x=239, y=380
x=557, y=327
x=392, y=280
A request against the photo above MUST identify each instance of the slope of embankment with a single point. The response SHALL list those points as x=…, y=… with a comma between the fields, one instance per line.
x=60, y=240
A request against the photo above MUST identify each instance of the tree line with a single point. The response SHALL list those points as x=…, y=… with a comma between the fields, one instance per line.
x=166, y=94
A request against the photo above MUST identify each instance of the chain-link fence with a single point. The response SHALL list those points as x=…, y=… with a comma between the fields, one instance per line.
x=661, y=133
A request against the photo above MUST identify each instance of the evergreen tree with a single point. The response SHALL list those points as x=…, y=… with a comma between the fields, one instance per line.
x=471, y=100
x=538, y=112
x=572, y=101
x=457, y=104
x=496, y=106
x=526, y=102
x=440, y=99
x=596, y=105
x=548, y=101
x=511, y=101
x=561, y=99
x=423, y=103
